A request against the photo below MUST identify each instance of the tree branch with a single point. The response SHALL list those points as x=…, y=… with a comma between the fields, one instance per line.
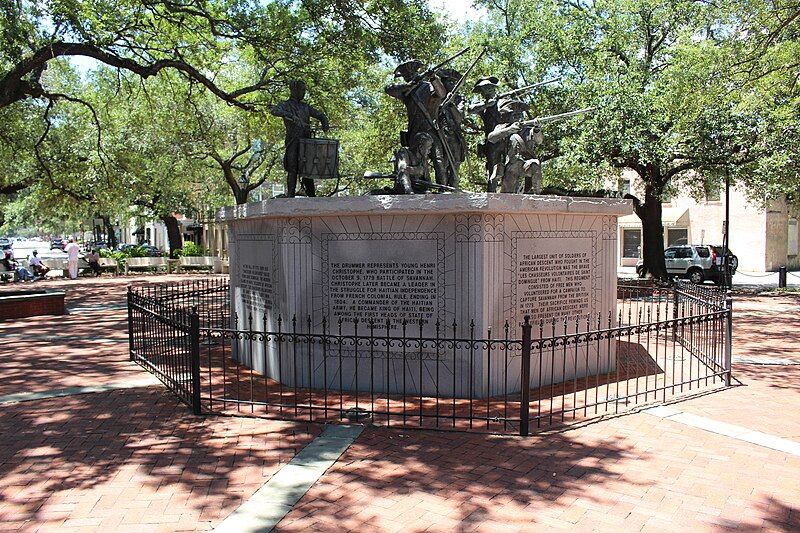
x=15, y=87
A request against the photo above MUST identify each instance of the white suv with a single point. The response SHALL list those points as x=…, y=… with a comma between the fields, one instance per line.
x=698, y=262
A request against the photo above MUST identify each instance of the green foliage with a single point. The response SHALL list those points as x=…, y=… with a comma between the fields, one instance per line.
x=687, y=92
x=118, y=256
x=191, y=249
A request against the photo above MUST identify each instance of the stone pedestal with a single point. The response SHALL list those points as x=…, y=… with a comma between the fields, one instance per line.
x=476, y=260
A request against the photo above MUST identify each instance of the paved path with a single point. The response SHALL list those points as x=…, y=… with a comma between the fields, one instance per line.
x=135, y=459
x=113, y=452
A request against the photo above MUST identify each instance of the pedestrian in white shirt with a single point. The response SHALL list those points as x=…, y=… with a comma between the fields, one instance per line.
x=38, y=268
x=72, y=250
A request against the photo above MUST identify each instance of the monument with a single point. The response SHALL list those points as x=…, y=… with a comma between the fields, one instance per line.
x=483, y=258
x=422, y=267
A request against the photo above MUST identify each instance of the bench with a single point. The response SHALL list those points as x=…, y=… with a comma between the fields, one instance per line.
x=109, y=263
x=106, y=263
x=62, y=266
x=213, y=264
x=147, y=263
x=6, y=274
x=57, y=264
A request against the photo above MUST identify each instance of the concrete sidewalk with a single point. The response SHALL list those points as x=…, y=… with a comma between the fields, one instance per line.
x=135, y=458
x=742, y=279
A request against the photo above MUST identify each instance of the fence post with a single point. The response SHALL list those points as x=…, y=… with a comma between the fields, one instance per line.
x=194, y=355
x=525, y=378
x=131, y=355
x=728, y=340
x=675, y=314
x=782, y=277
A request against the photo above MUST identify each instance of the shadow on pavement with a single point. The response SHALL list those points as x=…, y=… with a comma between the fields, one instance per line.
x=110, y=456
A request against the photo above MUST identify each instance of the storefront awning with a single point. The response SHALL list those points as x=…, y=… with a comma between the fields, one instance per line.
x=670, y=217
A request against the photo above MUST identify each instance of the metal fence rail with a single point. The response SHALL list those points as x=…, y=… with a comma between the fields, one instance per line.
x=662, y=342
x=165, y=341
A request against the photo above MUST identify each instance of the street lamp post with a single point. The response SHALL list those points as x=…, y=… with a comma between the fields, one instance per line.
x=726, y=231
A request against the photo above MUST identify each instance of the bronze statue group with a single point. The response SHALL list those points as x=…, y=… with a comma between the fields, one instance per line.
x=434, y=136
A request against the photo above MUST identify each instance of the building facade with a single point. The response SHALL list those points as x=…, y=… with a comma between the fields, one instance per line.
x=763, y=238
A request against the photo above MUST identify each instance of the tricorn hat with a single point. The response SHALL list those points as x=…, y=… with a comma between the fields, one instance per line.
x=511, y=105
x=408, y=68
x=486, y=81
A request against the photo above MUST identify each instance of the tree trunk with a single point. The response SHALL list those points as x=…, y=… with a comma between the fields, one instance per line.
x=240, y=194
x=649, y=212
x=173, y=234
x=111, y=234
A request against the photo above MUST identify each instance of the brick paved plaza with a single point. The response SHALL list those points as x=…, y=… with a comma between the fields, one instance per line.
x=130, y=457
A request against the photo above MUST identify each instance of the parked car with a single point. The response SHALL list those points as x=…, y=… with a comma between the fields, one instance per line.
x=57, y=244
x=6, y=246
x=698, y=262
x=94, y=246
x=151, y=251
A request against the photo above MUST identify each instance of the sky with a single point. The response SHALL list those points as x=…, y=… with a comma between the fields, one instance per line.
x=459, y=10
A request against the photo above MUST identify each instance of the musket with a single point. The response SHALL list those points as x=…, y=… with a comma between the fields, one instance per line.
x=434, y=68
x=527, y=88
x=460, y=83
x=432, y=185
x=541, y=121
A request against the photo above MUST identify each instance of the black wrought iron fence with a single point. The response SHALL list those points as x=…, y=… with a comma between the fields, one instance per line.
x=661, y=342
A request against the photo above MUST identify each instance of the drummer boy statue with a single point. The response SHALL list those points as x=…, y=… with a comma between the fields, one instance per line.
x=296, y=116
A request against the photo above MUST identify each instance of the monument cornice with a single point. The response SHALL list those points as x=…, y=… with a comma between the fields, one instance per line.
x=427, y=203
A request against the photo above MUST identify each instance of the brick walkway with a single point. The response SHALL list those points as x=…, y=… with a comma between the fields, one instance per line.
x=132, y=460
x=90, y=347
x=631, y=473
x=127, y=460
x=137, y=460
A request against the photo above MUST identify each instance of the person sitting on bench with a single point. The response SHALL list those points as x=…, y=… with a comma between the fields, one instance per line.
x=39, y=269
x=20, y=273
x=93, y=258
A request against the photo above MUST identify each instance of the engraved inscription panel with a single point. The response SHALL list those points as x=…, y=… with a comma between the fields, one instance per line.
x=256, y=273
x=374, y=277
x=257, y=289
x=553, y=280
x=370, y=290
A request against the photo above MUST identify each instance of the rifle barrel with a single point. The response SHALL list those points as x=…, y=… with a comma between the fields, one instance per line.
x=451, y=96
x=561, y=116
x=527, y=88
x=446, y=61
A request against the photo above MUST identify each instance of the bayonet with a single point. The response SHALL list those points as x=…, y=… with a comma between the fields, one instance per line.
x=527, y=88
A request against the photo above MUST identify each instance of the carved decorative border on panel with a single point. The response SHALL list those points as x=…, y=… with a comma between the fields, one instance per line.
x=494, y=230
x=609, y=228
x=296, y=231
x=469, y=228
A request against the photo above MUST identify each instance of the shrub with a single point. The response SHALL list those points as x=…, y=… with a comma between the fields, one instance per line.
x=190, y=249
x=120, y=257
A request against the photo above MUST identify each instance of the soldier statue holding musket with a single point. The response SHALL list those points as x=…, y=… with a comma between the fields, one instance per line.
x=518, y=139
x=433, y=106
x=450, y=119
x=421, y=94
x=487, y=110
x=297, y=116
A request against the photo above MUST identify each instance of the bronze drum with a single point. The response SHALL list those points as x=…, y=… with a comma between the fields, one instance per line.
x=318, y=158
